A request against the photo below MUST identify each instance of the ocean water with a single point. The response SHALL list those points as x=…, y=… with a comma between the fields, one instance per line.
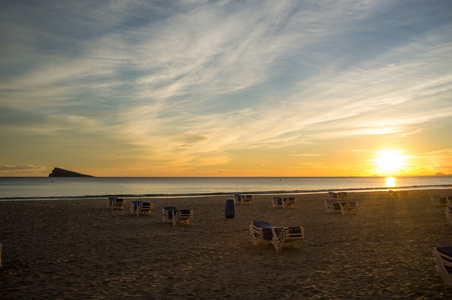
x=60, y=187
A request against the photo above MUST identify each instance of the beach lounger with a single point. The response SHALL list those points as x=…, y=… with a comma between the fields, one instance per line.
x=289, y=202
x=144, y=208
x=439, y=201
x=167, y=214
x=337, y=196
x=115, y=203
x=349, y=207
x=403, y=194
x=332, y=206
x=243, y=199
x=262, y=233
x=176, y=216
x=277, y=202
x=449, y=214
x=183, y=216
x=134, y=207
x=393, y=194
x=443, y=259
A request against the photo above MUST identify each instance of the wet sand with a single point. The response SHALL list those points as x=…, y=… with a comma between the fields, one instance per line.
x=78, y=249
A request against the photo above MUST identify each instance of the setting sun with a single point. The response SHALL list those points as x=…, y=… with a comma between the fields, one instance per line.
x=389, y=161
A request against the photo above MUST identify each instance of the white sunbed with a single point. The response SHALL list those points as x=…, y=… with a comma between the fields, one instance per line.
x=332, y=206
x=243, y=199
x=141, y=208
x=349, y=207
x=439, y=200
x=443, y=259
x=263, y=233
x=115, y=203
x=287, y=202
x=277, y=202
x=176, y=216
x=337, y=195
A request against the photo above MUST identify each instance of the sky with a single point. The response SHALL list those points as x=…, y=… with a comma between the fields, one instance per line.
x=226, y=88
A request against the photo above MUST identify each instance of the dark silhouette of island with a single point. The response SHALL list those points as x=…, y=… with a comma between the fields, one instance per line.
x=58, y=172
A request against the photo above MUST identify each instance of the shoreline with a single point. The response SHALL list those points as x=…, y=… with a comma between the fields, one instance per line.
x=76, y=249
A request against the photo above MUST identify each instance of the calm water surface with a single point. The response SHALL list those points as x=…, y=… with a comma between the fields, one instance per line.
x=46, y=187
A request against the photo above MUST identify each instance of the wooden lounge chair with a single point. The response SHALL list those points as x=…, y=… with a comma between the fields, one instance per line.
x=262, y=232
x=176, y=216
x=439, y=201
x=443, y=258
x=115, y=203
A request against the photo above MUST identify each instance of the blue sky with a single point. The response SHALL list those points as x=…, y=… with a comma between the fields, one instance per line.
x=224, y=88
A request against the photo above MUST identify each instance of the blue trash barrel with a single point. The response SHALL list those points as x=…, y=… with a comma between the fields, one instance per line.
x=230, y=209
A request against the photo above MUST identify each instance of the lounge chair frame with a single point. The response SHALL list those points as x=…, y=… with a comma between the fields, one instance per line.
x=141, y=208
x=343, y=207
x=243, y=199
x=262, y=233
x=337, y=196
x=115, y=203
x=286, y=202
x=443, y=259
x=177, y=216
x=439, y=200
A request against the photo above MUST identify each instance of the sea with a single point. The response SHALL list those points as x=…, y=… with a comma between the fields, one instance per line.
x=42, y=188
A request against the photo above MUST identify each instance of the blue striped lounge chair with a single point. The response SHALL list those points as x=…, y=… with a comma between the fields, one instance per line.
x=443, y=259
x=263, y=233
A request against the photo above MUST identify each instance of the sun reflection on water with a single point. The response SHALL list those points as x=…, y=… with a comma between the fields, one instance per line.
x=390, y=182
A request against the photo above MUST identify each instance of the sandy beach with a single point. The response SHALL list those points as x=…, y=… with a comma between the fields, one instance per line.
x=78, y=249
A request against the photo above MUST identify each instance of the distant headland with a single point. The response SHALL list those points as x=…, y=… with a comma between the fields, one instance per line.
x=58, y=172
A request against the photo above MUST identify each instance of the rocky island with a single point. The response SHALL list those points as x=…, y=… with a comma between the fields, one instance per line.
x=58, y=172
